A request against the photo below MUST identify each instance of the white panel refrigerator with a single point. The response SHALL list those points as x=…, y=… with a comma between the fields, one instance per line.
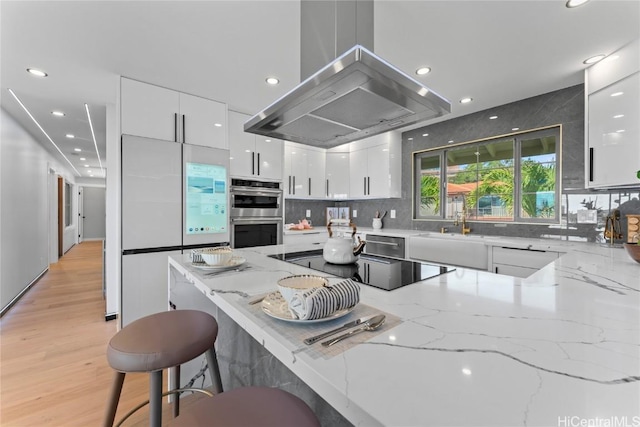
x=174, y=198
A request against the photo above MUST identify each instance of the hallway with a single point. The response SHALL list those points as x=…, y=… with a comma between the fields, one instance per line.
x=53, y=368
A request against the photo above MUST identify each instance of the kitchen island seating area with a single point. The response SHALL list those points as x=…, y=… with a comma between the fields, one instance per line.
x=168, y=339
x=157, y=342
x=249, y=406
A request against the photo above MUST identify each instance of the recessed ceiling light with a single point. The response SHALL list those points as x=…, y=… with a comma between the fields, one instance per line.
x=618, y=116
x=515, y=128
x=57, y=113
x=86, y=166
x=217, y=125
x=450, y=141
x=423, y=70
x=617, y=93
x=409, y=139
x=82, y=159
x=89, y=172
x=425, y=134
x=77, y=149
x=620, y=130
x=272, y=80
x=594, y=59
x=493, y=117
x=575, y=3
x=466, y=100
x=267, y=140
x=35, y=72
x=466, y=371
x=70, y=135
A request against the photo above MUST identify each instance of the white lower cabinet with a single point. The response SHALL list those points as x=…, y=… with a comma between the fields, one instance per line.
x=319, y=237
x=519, y=262
x=144, y=285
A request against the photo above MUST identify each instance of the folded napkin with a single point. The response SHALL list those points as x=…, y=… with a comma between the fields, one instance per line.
x=318, y=303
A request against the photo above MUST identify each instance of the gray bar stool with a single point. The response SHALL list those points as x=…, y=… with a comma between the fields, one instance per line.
x=156, y=342
x=249, y=406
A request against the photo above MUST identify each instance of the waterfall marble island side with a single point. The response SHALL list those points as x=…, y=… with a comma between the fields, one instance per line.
x=473, y=348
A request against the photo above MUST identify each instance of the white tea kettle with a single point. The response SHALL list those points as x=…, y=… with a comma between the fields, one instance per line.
x=342, y=249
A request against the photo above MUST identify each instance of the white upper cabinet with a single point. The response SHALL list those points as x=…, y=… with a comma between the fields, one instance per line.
x=374, y=167
x=316, y=164
x=253, y=156
x=612, y=157
x=337, y=175
x=149, y=111
x=204, y=122
x=155, y=112
x=304, y=171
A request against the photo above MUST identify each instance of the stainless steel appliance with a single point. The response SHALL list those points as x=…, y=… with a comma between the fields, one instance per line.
x=377, y=271
x=256, y=213
x=389, y=246
x=354, y=96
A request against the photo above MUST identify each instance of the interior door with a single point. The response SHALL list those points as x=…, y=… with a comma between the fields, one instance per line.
x=93, y=201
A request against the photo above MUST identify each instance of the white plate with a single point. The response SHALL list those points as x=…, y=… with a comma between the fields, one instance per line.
x=275, y=306
x=234, y=262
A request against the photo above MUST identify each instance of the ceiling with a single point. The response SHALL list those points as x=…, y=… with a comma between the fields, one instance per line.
x=495, y=52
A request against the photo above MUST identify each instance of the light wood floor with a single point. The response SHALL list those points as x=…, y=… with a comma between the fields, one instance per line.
x=53, y=368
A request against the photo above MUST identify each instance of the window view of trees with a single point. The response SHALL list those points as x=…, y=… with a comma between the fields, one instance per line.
x=486, y=182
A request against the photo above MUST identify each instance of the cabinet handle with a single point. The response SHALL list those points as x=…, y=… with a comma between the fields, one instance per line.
x=175, y=127
x=364, y=190
x=184, y=131
x=590, y=164
x=309, y=191
x=289, y=191
x=368, y=185
x=327, y=188
x=253, y=163
x=496, y=270
x=294, y=184
x=258, y=163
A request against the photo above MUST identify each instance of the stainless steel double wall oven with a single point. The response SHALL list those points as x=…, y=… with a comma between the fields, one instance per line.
x=256, y=213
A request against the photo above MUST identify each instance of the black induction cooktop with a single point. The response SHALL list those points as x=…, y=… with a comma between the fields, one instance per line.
x=378, y=271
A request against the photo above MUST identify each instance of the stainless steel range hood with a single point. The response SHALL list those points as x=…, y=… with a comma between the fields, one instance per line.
x=356, y=96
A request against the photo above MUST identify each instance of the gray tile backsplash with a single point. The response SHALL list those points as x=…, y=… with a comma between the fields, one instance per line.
x=564, y=107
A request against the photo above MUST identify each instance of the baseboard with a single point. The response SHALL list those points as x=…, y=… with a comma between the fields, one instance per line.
x=6, y=308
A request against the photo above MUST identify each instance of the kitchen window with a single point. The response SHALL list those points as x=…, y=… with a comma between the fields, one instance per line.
x=510, y=178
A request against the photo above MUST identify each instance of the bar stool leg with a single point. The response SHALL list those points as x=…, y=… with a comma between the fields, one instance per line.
x=176, y=384
x=155, y=399
x=214, y=370
x=114, y=398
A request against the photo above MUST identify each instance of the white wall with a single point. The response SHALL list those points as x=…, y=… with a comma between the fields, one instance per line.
x=24, y=219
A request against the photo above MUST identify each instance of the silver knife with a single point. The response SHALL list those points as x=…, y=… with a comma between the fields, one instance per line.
x=344, y=327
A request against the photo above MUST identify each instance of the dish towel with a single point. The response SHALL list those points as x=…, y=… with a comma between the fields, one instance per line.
x=318, y=303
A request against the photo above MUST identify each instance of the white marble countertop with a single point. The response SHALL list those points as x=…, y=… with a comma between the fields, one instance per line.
x=473, y=348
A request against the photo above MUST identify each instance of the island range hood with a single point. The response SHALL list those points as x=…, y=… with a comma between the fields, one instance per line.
x=355, y=96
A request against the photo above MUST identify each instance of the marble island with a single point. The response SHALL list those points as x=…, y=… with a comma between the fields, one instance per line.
x=470, y=348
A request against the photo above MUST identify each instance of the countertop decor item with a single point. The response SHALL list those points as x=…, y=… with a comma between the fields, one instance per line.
x=377, y=223
x=288, y=286
x=342, y=249
x=633, y=249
